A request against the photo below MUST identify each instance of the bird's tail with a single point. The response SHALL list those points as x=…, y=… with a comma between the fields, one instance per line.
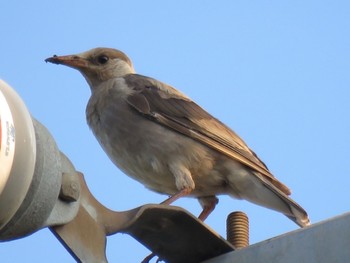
x=273, y=198
x=298, y=214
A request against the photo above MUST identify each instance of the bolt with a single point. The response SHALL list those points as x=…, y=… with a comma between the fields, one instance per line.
x=237, y=229
x=70, y=188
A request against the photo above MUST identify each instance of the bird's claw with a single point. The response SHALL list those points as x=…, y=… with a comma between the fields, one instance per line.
x=149, y=257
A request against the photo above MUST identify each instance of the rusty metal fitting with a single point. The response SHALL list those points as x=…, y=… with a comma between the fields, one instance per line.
x=70, y=188
x=237, y=229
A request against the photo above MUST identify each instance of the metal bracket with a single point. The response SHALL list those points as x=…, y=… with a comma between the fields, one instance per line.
x=168, y=231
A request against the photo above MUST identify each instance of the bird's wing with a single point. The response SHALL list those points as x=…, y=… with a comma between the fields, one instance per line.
x=167, y=106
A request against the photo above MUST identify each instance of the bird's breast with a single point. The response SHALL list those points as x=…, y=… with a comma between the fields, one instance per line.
x=144, y=149
x=132, y=142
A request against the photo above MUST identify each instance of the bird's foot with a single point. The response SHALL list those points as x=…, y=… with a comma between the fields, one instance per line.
x=149, y=257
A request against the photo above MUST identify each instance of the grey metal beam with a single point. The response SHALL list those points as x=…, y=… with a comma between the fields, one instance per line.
x=324, y=242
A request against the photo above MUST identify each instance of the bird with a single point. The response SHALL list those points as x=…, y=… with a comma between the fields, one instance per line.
x=162, y=138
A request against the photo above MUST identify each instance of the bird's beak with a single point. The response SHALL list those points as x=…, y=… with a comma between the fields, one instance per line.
x=72, y=61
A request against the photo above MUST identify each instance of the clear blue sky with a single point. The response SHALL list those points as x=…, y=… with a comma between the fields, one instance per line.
x=277, y=72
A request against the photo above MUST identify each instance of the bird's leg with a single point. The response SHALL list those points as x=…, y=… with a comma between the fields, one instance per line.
x=208, y=203
x=176, y=196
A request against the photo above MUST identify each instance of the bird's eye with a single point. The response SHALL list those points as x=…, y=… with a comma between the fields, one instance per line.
x=102, y=59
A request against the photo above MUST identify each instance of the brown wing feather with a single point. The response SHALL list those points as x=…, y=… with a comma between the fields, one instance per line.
x=169, y=107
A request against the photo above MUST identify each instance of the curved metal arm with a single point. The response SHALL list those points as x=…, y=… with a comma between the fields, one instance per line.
x=171, y=232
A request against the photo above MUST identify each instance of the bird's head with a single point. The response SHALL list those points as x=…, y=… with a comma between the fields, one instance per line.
x=97, y=65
